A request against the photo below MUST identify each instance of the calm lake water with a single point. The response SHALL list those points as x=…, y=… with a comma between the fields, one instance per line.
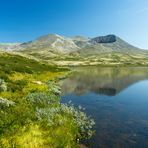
x=117, y=99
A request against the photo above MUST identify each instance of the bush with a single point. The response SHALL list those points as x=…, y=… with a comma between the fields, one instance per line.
x=41, y=99
x=54, y=117
x=53, y=88
x=3, y=76
x=3, y=86
x=5, y=103
x=51, y=113
x=17, y=85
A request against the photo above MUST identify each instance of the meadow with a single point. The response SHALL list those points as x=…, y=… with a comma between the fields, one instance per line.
x=31, y=114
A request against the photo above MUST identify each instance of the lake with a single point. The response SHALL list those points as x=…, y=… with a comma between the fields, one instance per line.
x=117, y=99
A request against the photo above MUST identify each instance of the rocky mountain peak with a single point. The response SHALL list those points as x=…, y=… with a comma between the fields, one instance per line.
x=104, y=39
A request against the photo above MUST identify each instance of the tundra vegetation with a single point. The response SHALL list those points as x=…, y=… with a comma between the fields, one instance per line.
x=31, y=115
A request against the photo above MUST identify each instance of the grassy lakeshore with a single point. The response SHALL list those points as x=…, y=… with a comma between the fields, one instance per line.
x=31, y=114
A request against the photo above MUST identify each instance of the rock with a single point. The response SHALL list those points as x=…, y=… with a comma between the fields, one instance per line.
x=38, y=82
x=104, y=39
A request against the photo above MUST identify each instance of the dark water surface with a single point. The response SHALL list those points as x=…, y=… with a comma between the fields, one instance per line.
x=117, y=99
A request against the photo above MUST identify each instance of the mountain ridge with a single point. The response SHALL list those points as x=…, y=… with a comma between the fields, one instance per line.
x=74, y=43
x=79, y=50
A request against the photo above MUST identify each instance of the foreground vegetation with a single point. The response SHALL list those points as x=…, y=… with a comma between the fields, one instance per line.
x=31, y=114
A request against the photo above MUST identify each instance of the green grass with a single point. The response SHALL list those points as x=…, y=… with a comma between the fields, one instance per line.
x=31, y=114
x=18, y=63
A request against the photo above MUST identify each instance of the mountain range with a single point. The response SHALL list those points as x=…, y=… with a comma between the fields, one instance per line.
x=9, y=46
x=80, y=50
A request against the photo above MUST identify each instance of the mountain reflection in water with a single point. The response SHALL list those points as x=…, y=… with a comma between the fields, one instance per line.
x=117, y=99
x=107, y=81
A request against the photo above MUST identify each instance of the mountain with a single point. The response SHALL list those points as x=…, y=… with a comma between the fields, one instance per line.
x=106, y=44
x=9, y=46
x=56, y=44
x=104, y=39
x=51, y=43
x=80, y=38
x=122, y=46
x=79, y=50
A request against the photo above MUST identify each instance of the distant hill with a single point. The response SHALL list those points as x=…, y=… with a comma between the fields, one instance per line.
x=9, y=46
x=53, y=43
x=81, y=50
x=105, y=44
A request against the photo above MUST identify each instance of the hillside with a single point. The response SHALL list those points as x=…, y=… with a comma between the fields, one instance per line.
x=50, y=43
x=79, y=50
x=60, y=44
x=9, y=46
x=30, y=108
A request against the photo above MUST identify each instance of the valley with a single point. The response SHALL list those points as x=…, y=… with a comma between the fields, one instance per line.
x=30, y=95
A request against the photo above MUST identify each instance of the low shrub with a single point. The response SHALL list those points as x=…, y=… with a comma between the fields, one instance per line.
x=41, y=99
x=3, y=86
x=55, y=117
x=5, y=103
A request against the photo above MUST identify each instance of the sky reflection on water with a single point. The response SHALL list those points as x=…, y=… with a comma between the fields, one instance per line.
x=117, y=99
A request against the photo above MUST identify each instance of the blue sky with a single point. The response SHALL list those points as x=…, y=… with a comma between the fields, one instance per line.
x=24, y=20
